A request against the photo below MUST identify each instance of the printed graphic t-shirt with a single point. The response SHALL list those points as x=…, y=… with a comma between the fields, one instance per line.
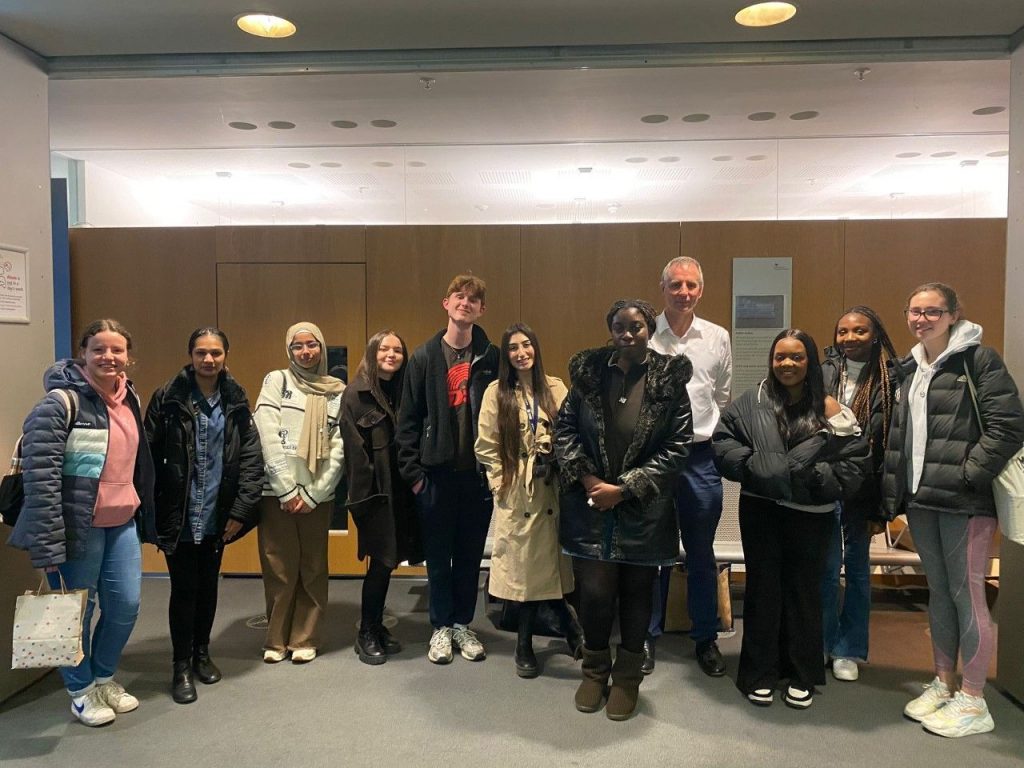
x=459, y=361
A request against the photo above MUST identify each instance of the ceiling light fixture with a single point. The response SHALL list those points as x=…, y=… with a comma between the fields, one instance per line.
x=265, y=25
x=765, y=14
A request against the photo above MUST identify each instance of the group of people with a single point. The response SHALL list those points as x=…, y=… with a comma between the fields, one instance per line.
x=592, y=488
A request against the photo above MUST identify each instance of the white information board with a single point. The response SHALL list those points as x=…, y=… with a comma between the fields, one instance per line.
x=13, y=284
x=762, y=292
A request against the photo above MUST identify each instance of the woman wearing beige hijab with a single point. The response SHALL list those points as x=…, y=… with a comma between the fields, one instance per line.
x=297, y=418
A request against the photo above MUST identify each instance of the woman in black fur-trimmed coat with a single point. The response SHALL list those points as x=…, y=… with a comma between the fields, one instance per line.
x=622, y=437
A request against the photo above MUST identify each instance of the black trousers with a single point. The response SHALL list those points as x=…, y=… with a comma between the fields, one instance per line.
x=194, y=570
x=784, y=551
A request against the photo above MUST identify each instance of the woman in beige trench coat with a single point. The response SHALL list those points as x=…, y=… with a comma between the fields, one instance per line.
x=514, y=444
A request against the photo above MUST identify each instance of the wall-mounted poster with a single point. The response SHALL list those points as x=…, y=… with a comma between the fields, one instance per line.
x=13, y=284
x=761, y=297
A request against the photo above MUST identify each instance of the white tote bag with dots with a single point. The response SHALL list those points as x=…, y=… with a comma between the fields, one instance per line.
x=48, y=628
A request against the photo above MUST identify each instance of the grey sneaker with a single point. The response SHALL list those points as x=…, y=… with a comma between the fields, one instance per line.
x=468, y=644
x=441, y=646
x=113, y=694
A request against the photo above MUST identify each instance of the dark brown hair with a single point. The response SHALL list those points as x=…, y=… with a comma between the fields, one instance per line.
x=101, y=325
x=508, y=404
x=875, y=374
x=470, y=284
x=371, y=374
x=952, y=300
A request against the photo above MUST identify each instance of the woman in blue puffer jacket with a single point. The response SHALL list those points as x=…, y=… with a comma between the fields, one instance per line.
x=88, y=480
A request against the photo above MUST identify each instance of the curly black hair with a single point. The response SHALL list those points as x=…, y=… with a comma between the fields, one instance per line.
x=641, y=306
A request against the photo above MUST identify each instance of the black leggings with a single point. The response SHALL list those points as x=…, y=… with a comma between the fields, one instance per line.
x=375, y=592
x=600, y=583
x=194, y=570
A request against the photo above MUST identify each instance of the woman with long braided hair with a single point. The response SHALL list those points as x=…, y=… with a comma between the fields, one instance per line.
x=860, y=372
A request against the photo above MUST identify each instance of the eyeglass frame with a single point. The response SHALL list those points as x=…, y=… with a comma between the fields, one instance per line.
x=298, y=346
x=917, y=314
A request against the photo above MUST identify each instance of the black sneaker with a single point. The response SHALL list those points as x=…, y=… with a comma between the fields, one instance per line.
x=710, y=659
x=797, y=697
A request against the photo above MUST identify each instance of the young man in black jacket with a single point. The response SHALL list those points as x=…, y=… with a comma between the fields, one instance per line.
x=437, y=425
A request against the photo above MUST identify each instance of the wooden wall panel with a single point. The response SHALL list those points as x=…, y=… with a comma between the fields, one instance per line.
x=408, y=270
x=816, y=248
x=573, y=273
x=886, y=260
x=336, y=245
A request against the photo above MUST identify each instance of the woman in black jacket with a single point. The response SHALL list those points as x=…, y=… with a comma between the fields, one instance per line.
x=622, y=438
x=945, y=447
x=795, y=451
x=209, y=479
x=859, y=372
x=381, y=503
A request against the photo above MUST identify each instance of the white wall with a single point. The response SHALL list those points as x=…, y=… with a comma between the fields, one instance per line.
x=113, y=200
x=1014, y=344
x=27, y=349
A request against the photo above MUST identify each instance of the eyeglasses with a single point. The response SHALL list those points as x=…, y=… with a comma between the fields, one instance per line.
x=932, y=313
x=298, y=346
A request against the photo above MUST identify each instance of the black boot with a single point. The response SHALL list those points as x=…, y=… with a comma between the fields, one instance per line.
x=183, y=688
x=525, y=660
x=203, y=665
x=390, y=644
x=571, y=627
x=368, y=645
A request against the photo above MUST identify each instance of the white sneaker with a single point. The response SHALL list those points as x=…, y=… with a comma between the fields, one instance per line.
x=91, y=709
x=965, y=715
x=270, y=656
x=441, y=646
x=469, y=645
x=303, y=655
x=116, y=697
x=845, y=669
x=936, y=695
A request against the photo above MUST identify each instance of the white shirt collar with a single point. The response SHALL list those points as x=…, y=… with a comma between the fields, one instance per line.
x=696, y=327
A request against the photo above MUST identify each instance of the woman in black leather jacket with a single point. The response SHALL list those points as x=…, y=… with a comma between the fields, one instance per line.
x=209, y=477
x=795, y=452
x=622, y=438
x=381, y=503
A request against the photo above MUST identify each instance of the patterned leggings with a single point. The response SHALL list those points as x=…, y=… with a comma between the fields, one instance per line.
x=954, y=552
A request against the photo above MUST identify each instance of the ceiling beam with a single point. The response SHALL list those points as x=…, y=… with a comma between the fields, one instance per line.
x=542, y=57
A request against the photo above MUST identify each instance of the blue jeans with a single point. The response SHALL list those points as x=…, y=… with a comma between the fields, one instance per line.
x=454, y=509
x=112, y=572
x=846, y=629
x=698, y=497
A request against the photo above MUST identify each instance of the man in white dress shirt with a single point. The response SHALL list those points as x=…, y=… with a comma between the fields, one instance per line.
x=699, y=489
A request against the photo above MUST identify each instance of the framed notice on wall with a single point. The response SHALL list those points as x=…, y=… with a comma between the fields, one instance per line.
x=13, y=284
x=762, y=292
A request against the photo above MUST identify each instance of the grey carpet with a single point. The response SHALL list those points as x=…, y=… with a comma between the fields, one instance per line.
x=339, y=712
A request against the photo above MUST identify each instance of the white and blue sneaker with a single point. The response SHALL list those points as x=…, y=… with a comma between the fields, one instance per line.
x=91, y=709
x=936, y=695
x=965, y=715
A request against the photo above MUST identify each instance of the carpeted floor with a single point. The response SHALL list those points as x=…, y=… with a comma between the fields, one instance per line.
x=339, y=712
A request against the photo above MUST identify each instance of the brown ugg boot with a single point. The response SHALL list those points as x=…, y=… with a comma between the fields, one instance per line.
x=625, y=690
x=597, y=666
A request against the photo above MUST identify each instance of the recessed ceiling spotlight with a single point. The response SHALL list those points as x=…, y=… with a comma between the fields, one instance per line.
x=330, y=164
x=344, y=124
x=636, y=159
x=765, y=14
x=760, y=117
x=998, y=153
x=654, y=119
x=809, y=114
x=988, y=111
x=668, y=159
x=223, y=174
x=383, y=123
x=416, y=164
x=968, y=163
x=265, y=25
x=281, y=125
x=382, y=163
x=756, y=158
x=240, y=126
x=722, y=158
x=298, y=165
x=696, y=117
x=943, y=154
x=906, y=155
